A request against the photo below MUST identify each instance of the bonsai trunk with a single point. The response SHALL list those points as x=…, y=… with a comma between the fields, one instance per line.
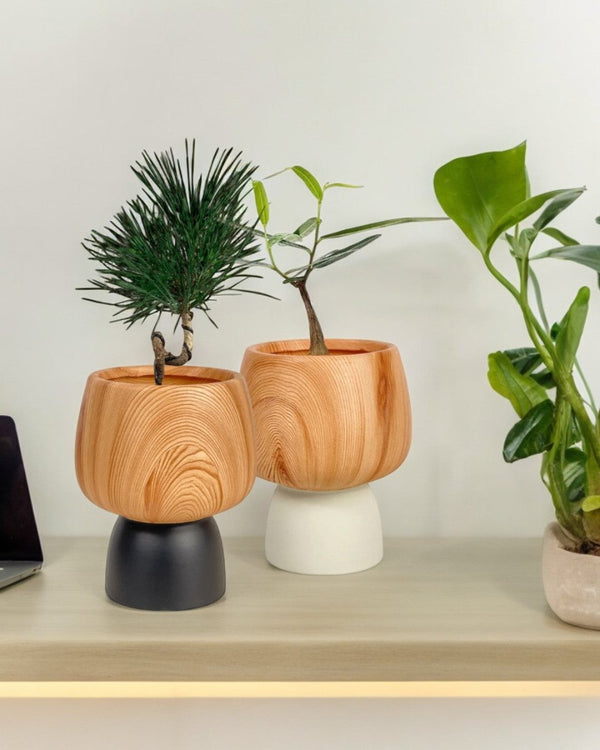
x=317, y=340
x=162, y=357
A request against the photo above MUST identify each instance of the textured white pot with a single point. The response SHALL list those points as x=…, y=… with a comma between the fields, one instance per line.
x=324, y=533
x=571, y=581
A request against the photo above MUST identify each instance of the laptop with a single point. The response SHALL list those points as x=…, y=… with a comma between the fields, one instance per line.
x=20, y=548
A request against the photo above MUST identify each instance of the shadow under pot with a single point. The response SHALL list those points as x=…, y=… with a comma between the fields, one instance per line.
x=166, y=459
x=326, y=426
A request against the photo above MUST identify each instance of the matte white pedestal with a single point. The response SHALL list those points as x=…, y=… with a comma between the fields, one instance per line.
x=324, y=533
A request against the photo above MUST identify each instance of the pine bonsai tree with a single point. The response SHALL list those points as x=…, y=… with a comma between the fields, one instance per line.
x=178, y=244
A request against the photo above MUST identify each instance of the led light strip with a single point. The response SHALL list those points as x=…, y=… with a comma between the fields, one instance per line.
x=504, y=689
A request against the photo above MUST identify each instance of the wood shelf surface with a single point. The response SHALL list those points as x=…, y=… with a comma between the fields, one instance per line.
x=445, y=610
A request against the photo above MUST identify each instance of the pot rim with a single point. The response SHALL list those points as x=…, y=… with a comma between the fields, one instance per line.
x=555, y=536
x=215, y=376
x=292, y=347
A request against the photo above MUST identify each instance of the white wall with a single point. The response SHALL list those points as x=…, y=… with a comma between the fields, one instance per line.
x=379, y=93
x=381, y=97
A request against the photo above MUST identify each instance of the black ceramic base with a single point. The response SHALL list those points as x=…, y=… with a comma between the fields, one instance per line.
x=169, y=566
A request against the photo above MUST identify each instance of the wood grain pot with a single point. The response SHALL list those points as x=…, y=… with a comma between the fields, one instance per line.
x=328, y=422
x=173, y=453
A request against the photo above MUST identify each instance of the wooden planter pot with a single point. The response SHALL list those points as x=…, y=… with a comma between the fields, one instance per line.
x=325, y=425
x=166, y=458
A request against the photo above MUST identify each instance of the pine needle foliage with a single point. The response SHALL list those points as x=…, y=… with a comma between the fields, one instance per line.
x=181, y=242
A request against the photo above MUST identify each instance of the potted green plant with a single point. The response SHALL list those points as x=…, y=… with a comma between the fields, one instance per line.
x=487, y=195
x=331, y=415
x=167, y=446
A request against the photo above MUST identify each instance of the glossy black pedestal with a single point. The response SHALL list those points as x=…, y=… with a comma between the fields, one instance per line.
x=171, y=566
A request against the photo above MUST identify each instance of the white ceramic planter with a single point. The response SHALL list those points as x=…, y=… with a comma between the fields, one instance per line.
x=571, y=581
x=324, y=533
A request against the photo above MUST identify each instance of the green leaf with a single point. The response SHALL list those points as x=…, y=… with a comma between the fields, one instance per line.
x=309, y=180
x=530, y=435
x=328, y=185
x=527, y=360
x=521, y=390
x=335, y=255
x=262, y=203
x=591, y=502
x=574, y=474
x=559, y=236
x=557, y=206
x=380, y=225
x=522, y=210
x=571, y=328
x=586, y=255
x=477, y=191
x=307, y=227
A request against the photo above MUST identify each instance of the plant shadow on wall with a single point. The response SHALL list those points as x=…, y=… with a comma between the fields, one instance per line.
x=488, y=196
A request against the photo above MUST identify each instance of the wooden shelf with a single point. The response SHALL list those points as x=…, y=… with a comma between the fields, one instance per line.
x=437, y=617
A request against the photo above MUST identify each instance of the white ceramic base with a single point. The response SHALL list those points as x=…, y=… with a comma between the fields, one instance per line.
x=571, y=581
x=324, y=533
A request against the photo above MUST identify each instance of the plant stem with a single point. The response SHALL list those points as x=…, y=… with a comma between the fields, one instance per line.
x=545, y=346
x=163, y=357
x=317, y=340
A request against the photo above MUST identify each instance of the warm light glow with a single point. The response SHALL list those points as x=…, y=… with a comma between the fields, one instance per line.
x=505, y=689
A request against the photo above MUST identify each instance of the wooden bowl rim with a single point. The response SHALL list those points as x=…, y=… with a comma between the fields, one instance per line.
x=281, y=348
x=218, y=377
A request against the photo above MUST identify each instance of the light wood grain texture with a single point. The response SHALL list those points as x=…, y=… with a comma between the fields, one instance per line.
x=328, y=422
x=433, y=610
x=165, y=454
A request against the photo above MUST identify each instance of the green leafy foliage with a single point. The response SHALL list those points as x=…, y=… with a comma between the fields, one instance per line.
x=477, y=191
x=532, y=434
x=571, y=329
x=488, y=197
x=308, y=238
x=487, y=194
x=521, y=390
x=181, y=242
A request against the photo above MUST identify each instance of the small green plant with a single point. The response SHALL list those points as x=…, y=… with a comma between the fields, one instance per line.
x=177, y=245
x=487, y=195
x=308, y=238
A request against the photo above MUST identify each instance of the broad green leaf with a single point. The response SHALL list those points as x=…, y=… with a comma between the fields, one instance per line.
x=591, y=503
x=307, y=227
x=477, y=191
x=380, y=225
x=530, y=435
x=309, y=180
x=586, y=255
x=571, y=328
x=521, y=390
x=335, y=255
x=527, y=360
x=574, y=473
x=521, y=211
x=557, y=206
x=261, y=200
x=559, y=236
x=328, y=185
